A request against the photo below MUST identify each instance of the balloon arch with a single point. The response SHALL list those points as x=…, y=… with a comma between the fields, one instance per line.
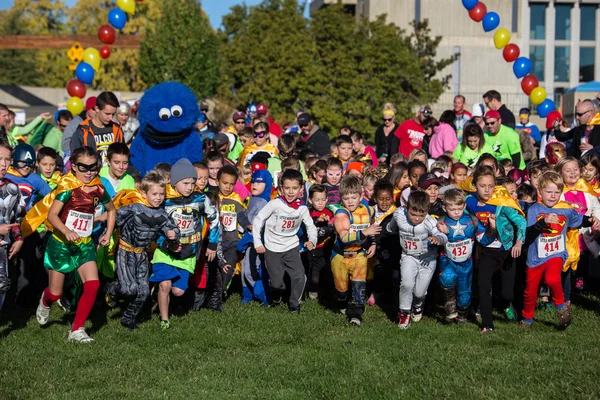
x=490, y=20
x=86, y=69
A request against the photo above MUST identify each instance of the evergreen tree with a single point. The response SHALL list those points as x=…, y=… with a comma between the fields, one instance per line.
x=182, y=47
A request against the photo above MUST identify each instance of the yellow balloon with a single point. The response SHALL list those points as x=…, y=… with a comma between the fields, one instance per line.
x=127, y=5
x=75, y=105
x=92, y=57
x=537, y=96
x=501, y=38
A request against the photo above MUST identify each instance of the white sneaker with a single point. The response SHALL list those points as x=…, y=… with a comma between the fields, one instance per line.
x=42, y=313
x=355, y=321
x=313, y=295
x=80, y=336
x=416, y=317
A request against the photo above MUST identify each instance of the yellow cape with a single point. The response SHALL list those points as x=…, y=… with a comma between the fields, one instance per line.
x=502, y=198
x=173, y=194
x=467, y=185
x=129, y=196
x=11, y=170
x=581, y=186
x=573, y=233
x=595, y=120
x=39, y=213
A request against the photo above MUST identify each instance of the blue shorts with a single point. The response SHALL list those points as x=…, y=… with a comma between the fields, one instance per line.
x=165, y=272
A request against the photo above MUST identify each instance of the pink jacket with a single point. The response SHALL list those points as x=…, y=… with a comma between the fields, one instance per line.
x=443, y=139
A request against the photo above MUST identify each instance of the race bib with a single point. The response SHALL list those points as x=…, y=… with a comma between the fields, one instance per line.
x=185, y=223
x=287, y=224
x=229, y=221
x=80, y=223
x=412, y=245
x=459, y=251
x=549, y=246
x=358, y=227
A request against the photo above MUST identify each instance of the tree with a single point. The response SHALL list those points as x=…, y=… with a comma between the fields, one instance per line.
x=182, y=47
x=267, y=56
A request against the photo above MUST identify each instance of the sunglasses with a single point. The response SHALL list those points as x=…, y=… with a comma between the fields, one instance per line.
x=491, y=123
x=240, y=122
x=583, y=113
x=427, y=113
x=302, y=126
x=388, y=119
x=260, y=134
x=284, y=154
x=23, y=164
x=86, y=167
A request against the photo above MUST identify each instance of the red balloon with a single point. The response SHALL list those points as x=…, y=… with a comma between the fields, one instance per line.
x=107, y=34
x=76, y=88
x=511, y=52
x=105, y=52
x=529, y=83
x=478, y=12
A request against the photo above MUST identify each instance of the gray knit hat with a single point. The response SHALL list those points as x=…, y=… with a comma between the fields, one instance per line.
x=181, y=170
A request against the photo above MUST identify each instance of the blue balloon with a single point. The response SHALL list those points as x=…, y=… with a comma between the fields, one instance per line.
x=521, y=67
x=490, y=21
x=546, y=108
x=85, y=73
x=470, y=4
x=117, y=18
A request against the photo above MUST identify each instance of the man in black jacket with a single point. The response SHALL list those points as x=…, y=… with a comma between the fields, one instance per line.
x=493, y=101
x=584, y=113
x=316, y=140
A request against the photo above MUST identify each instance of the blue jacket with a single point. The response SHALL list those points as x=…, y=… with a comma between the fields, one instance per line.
x=33, y=188
x=511, y=226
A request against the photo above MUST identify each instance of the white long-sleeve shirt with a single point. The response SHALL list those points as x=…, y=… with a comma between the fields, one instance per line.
x=281, y=223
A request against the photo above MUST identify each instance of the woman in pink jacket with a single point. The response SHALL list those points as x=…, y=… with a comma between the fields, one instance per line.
x=444, y=135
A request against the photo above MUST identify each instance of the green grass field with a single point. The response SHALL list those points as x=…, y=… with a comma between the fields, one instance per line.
x=249, y=352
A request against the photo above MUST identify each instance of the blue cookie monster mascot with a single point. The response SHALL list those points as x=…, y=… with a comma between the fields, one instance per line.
x=168, y=113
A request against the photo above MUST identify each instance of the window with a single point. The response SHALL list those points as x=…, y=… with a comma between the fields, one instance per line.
x=586, y=64
x=562, y=56
x=563, y=22
x=588, y=23
x=536, y=55
x=558, y=94
x=537, y=24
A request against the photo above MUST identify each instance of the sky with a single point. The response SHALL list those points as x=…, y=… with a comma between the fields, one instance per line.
x=215, y=9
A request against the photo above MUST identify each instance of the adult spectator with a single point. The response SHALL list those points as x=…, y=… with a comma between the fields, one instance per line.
x=274, y=128
x=203, y=106
x=53, y=139
x=386, y=142
x=233, y=133
x=316, y=140
x=411, y=133
x=90, y=112
x=477, y=117
x=129, y=124
x=444, y=135
x=504, y=141
x=462, y=115
x=4, y=117
x=493, y=101
x=100, y=131
x=588, y=130
x=528, y=126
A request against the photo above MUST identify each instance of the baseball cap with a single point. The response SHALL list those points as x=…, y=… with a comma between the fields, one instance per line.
x=262, y=109
x=427, y=180
x=524, y=112
x=221, y=139
x=458, y=166
x=492, y=114
x=203, y=106
x=238, y=115
x=304, y=119
x=552, y=117
x=90, y=103
x=478, y=110
x=426, y=110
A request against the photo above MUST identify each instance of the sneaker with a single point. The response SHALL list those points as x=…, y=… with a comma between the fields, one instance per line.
x=355, y=321
x=294, y=310
x=525, y=324
x=371, y=300
x=510, y=313
x=63, y=305
x=164, y=325
x=80, y=336
x=343, y=311
x=579, y=284
x=564, y=316
x=404, y=321
x=416, y=317
x=478, y=316
x=313, y=295
x=486, y=330
x=111, y=302
x=42, y=313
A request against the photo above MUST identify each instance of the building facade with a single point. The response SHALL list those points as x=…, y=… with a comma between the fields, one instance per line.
x=561, y=37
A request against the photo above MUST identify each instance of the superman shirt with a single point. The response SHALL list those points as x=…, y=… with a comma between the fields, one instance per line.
x=483, y=214
x=552, y=241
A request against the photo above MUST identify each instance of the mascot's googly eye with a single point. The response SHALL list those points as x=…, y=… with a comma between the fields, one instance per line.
x=176, y=111
x=164, y=114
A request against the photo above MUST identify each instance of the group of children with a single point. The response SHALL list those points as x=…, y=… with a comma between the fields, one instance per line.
x=371, y=234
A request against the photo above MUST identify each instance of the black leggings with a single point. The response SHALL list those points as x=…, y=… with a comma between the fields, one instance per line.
x=490, y=261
